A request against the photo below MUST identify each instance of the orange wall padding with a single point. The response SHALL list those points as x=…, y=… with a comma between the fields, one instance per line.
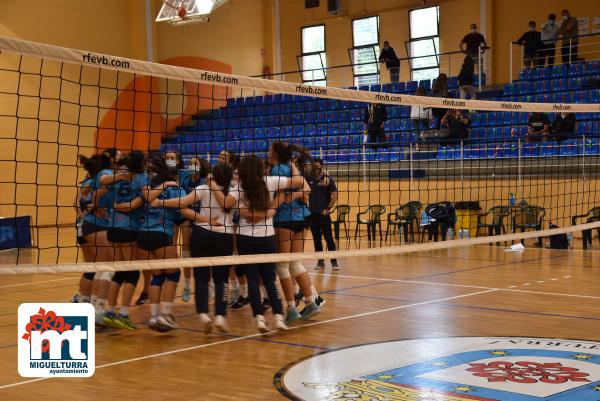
x=135, y=120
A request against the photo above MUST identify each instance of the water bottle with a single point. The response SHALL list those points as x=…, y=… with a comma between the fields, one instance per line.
x=570, y=240
x=512, y=200
x=466, y=234
x=450, y=234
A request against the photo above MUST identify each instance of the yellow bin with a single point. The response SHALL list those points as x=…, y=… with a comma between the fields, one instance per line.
x=466, y=220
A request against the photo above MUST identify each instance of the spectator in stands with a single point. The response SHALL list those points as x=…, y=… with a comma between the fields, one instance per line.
x=473, y=43
x=392, y=62
x=563, y=126
x=538, y=128
x=323, y=197
x=456, y=123
x=420, y=115
x=569, y=29
x=440, y=89
x=531, y=42
x=375, y=118
x=549, y=36
x=466, y=77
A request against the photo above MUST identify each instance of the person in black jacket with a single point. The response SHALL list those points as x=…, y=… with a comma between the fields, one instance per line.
x=375, y=118
x=392, y=62
x=466, y=79
x=563, y=126
x=531, y=42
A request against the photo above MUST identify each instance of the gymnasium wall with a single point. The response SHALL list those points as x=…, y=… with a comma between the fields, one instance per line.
x=506, y=21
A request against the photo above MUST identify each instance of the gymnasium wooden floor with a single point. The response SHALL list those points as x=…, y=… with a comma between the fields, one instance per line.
x=475, y=291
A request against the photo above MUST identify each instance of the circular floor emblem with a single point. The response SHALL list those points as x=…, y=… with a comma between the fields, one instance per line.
x=450, y=369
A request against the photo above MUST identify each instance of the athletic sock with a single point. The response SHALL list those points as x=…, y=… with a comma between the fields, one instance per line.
x=154, y=310
x=124, y=310
x=244, y=290
x=165, y=308
x=309, y=299
x=100, y=306
x=84, y=298
x=291, y=304
x=235, y=285
x=187, y=282
x=93, y=300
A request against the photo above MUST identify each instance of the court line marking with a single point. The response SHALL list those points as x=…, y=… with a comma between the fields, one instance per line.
x=176, y=351
x=476, y=307
x=38, y=282
x=461, y=285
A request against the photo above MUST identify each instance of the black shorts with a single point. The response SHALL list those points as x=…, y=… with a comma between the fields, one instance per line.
x=121, y=235
x=153, y=240
x=90, y=228
x=81, y=240
x=131, y=277
x=294, y=226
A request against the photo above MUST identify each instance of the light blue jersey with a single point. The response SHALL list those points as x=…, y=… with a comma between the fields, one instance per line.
x=105, y=201
x=162, y=219
x=288, y=212
x=126, y=191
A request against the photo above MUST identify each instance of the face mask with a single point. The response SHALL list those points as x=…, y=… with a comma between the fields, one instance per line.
x=171, y=163
x=565, y=17
x=473, y=30
x=194, y=168
x=551, y=22
x=563, y=115
x=531, y=29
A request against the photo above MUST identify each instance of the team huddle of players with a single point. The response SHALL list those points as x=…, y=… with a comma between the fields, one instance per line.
x=136, y=206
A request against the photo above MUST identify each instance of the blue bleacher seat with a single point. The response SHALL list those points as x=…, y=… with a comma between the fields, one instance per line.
x=375, y=88
x=411, y=87
x=531, y=150
x=568, y=147
x=559, y=71
x=548, y=149
x=577, y=69
x=589, y=147
x=363, y=88
x=426, y=83
x=526, y=74
x=540, y=73
x=453, y=83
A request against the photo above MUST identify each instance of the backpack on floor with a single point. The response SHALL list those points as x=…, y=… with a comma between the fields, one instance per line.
x=558, y=241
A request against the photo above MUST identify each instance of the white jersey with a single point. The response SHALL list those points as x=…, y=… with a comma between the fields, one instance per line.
x=212, y=209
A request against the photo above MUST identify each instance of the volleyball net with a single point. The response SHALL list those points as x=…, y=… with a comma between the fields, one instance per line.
x=411, y=172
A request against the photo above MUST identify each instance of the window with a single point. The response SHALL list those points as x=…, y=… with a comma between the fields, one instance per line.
x=365, y=51
x=313, y=60
x=424, y=44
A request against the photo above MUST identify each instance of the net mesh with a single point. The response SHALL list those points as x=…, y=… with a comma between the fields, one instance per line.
x=408, y=169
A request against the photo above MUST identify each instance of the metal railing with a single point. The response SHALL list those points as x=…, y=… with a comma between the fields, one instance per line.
x=574, y=50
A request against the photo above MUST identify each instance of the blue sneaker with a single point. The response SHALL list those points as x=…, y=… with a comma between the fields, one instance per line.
x=111, y=319
x=187, y=292
x=311, y=310
x=75, y=299
x=291, y=316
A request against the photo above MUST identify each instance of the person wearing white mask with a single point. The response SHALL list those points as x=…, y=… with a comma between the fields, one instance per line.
x=531, y=42
x=549, y=35
x=472, y=43
x=569, y=29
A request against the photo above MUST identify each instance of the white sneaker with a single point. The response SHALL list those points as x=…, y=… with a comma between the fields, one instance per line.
x=167, y=321
x=261, y=324
x=221, y=324
x=279, y=323
x=206, y=322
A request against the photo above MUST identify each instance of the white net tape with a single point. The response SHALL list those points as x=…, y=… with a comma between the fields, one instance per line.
x=212, y=78
x=281, y=257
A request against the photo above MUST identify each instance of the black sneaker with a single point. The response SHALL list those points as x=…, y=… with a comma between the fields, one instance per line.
x=320, y=265
x=143, y=299
x=334, y=265
x=240, y=303
x=266, y=305
x=298, y=297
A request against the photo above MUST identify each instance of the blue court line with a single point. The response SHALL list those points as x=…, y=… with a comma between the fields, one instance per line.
x=484, y=267
x=476, y=307
x=263, y=340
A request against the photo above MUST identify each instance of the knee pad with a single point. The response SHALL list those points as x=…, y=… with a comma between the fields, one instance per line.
x=174, y=277
x=283, y=270
x=89, y=276
x=132, y=277
x=296, y=268
x=158, y=280
x=105, y=276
